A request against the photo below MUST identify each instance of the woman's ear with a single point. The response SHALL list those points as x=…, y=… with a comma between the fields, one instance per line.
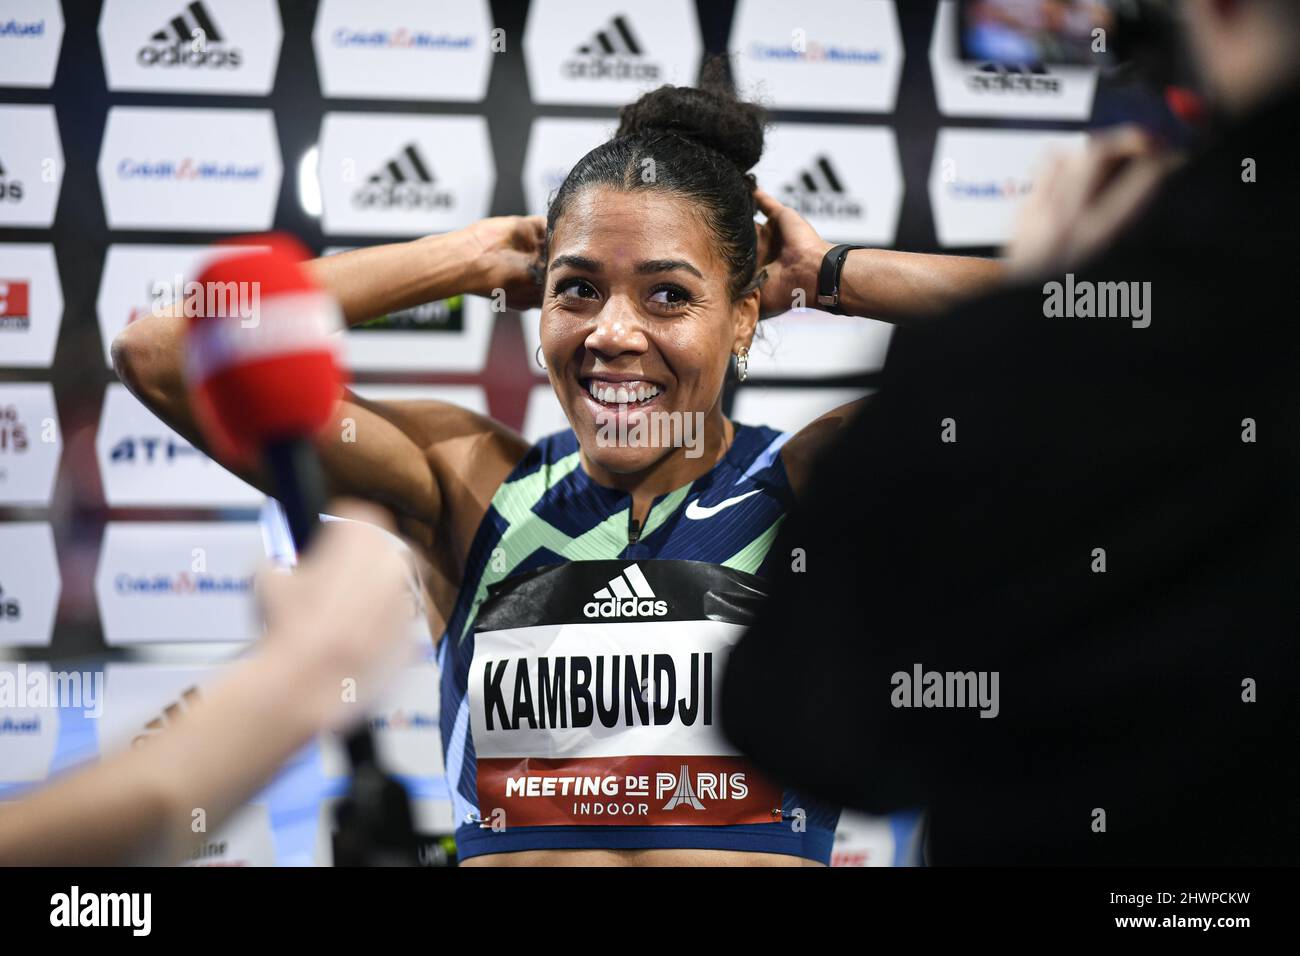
x=745, y=318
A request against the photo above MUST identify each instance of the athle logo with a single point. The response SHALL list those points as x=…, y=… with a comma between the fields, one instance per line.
x=628, y=595
x=818, y=190
x=191, y=38
x=170, y=714
x=613, y=53
x=11, y=190
x=406, y=182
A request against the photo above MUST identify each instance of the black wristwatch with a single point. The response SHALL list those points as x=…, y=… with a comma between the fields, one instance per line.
x=828, y=279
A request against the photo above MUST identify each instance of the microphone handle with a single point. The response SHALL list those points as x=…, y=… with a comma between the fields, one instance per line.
x=375, y=821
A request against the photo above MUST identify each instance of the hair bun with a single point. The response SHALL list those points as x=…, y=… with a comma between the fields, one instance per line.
x=710, y=115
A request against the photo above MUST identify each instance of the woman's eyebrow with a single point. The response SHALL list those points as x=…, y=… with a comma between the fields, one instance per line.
x=577, y=262
x=667, y=265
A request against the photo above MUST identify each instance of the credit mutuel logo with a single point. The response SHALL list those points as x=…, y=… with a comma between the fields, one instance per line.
x=628, y=595
x=190, y=39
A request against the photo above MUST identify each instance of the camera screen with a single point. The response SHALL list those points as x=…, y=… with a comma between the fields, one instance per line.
x=1032, y=32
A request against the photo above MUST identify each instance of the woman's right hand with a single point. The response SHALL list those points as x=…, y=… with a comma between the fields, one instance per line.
x=505, y=250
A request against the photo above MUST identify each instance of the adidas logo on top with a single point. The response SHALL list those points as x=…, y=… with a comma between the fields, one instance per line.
x=191, y=38
x=613, y=53
x=818, y=190
x=628, y=595
x=406, y=181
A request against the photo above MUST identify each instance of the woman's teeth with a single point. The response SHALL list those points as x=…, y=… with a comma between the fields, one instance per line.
x=622, y=394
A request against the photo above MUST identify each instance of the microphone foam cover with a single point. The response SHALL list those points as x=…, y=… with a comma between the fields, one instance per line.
x=262, y=362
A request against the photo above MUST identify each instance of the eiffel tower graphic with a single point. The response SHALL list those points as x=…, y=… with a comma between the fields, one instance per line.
x=685, y=792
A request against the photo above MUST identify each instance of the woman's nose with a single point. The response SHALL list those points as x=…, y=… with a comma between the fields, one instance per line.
x=618, y=329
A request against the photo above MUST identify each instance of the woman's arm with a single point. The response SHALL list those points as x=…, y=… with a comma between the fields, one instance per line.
x=341, y=616
x=880, y=284
x=388, y=453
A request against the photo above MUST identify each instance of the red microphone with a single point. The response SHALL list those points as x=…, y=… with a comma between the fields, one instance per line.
x=263, y=369
x=264, y=377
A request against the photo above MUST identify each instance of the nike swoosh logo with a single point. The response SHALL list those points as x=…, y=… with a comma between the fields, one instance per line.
x=695, y=511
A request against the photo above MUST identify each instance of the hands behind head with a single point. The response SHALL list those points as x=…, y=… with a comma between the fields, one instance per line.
x=506, y=250
x=791, y=252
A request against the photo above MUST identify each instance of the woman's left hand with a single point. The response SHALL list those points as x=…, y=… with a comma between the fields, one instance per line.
x=791, y=251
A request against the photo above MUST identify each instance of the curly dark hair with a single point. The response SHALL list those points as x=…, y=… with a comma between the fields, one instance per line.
x=702, y=142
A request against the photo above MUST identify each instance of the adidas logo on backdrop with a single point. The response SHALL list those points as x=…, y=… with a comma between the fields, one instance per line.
x=819, y=190
x=628, y=595
x=191, y=38
x=613, y=53
x=405, y=181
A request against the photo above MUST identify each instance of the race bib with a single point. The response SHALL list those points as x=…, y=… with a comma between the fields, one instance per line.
x=594, y=697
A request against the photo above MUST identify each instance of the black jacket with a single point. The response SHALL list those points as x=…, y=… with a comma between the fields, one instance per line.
x=1119, y=691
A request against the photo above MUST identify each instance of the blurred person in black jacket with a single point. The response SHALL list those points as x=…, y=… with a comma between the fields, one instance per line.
x=1102, y=513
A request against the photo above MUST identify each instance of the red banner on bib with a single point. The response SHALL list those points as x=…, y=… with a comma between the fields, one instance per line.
x=625, y=791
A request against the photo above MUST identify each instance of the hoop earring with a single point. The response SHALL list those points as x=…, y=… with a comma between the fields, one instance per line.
x=742, y=363
x=537, y=357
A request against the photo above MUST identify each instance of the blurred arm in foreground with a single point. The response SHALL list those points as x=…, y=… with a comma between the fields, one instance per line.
x=341, y=616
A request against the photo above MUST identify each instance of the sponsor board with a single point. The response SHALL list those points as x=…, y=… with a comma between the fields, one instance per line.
x=789, y=409
x=404, y=49
x=31, y=166
x=813, y=344
x=449, y=335
x=29, y=736
x=608, y=52
x=178, y=582
x=30, y=443
x=31, y=33
x=554, y=145
x=403, y=174
x=991, y=89
x=819, y=55
x=544, y=414
x=981, y=177
x=144, y=701
x=30, y=584
x=145, y=464
x=31, y=304
x=846, y=181
x=212, y=170
x=191, y=46
x=405, y=726
x=136, y=274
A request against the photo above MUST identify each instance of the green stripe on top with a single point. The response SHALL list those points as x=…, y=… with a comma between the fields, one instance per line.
x=750, y=557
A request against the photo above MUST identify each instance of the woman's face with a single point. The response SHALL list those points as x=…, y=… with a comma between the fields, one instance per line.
x=637, y=323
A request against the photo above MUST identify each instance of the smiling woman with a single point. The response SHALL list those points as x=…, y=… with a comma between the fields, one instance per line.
x=589, y=588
